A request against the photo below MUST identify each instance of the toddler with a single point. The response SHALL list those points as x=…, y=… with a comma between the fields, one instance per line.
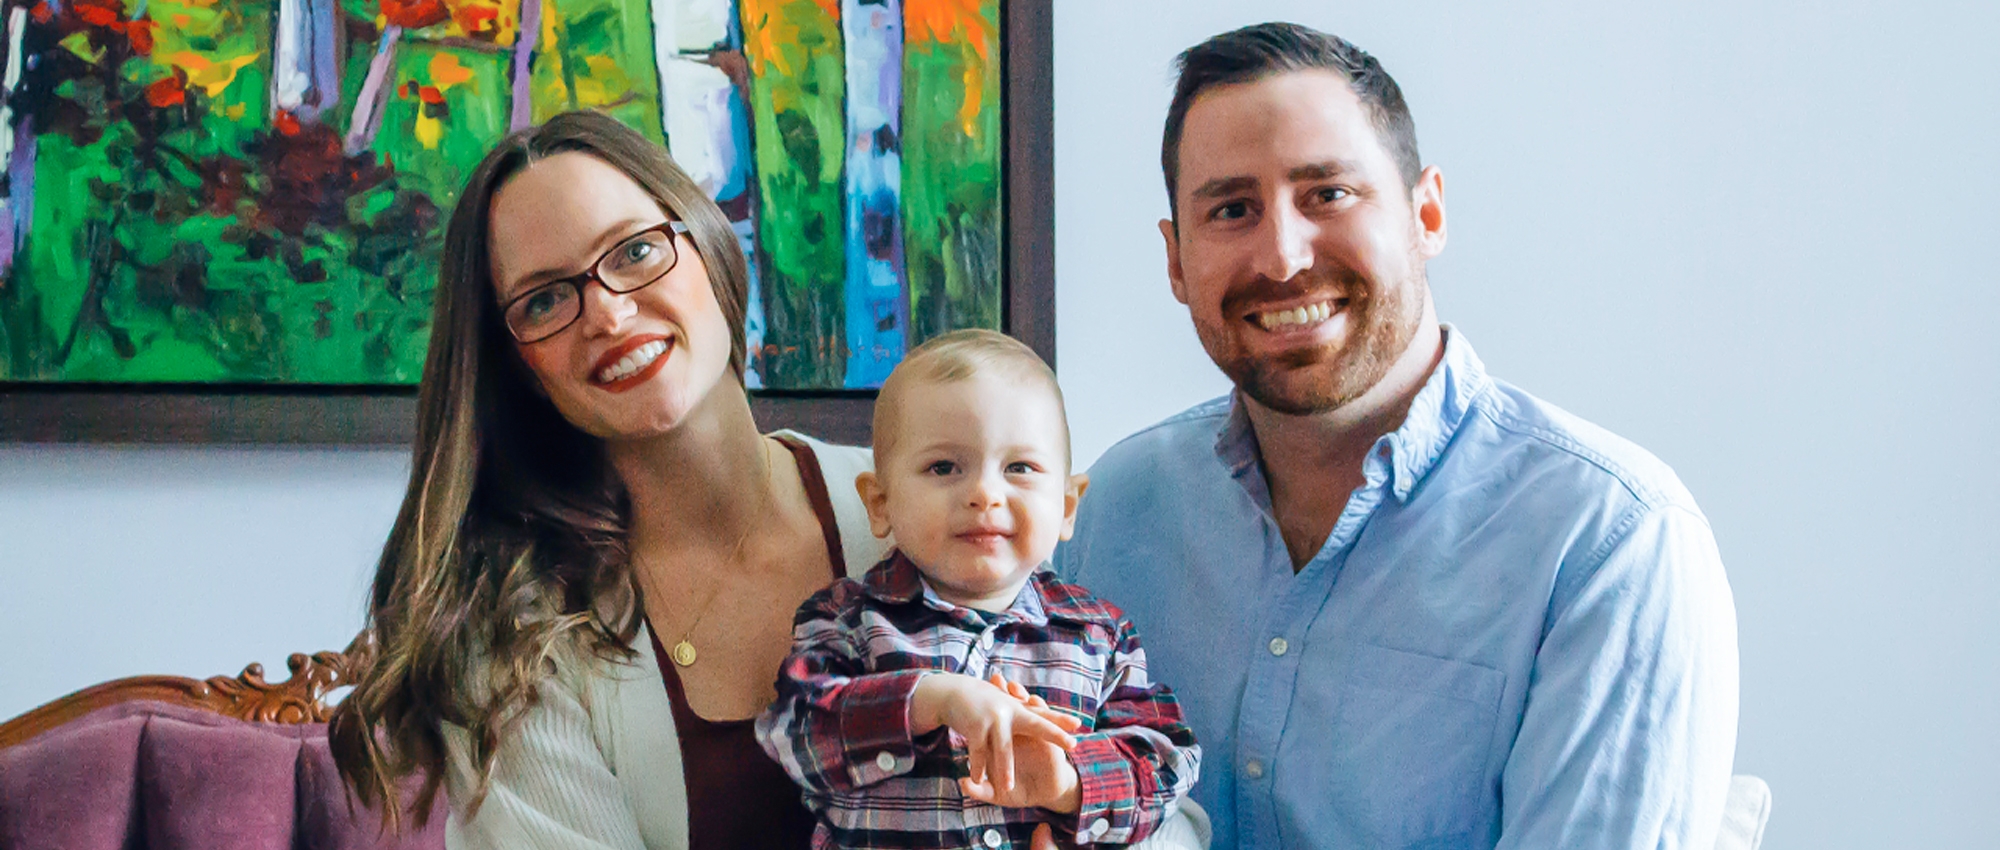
x=960, y=645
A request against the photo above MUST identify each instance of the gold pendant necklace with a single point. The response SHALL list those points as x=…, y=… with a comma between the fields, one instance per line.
x=683, y=652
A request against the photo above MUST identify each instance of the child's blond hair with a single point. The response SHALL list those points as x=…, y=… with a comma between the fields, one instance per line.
x=957, y=356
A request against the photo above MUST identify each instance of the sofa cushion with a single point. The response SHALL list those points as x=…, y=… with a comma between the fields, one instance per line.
x=225, y=786
x=71, y=788
x=330, y=818
x=146, y=774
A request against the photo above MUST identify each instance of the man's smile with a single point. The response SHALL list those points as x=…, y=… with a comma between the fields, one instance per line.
x=1299, y=317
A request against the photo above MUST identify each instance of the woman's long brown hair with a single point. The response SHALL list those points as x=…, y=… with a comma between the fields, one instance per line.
x=509, y=550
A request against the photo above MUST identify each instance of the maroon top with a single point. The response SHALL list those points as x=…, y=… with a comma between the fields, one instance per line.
x=738, y=798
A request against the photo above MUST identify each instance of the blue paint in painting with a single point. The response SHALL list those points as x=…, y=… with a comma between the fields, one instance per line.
x=325, y=58
x=877, y=310
x=20, y=187
x=753, y=312
x=741, y=190
x=739, y=179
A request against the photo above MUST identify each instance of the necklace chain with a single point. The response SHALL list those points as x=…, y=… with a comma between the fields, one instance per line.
x=683, y=652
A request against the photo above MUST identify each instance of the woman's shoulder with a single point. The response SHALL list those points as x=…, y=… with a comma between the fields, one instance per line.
x=838, y=467
x=834, y=459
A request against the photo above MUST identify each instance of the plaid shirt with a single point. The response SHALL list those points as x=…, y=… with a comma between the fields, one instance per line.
x=841, y=724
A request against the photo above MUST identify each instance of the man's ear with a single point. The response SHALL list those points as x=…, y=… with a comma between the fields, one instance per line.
x=1072, y=495
x=876, y=500
x=1427, y=199
x=1171, y=234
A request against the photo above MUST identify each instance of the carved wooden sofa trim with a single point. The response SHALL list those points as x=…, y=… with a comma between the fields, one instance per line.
x=299, y=699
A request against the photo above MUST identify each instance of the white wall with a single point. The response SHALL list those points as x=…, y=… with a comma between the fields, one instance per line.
x=120, y=561
x=1759, y=241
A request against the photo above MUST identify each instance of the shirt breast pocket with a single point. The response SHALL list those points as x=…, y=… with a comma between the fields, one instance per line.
x=1398, y=752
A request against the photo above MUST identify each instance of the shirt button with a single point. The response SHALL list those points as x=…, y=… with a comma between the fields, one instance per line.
x=885, y=760
x=1253, y=769
x=1099, y=827
x=1279, y=646
x=992, y=838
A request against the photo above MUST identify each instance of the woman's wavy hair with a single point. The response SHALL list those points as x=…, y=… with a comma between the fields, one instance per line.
x=509, y=550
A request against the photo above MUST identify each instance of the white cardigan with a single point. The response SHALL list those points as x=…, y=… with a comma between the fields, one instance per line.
x=596, y=763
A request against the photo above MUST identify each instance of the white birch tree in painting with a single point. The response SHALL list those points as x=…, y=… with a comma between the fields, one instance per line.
x=374, y=95
x=705, y=116
x=305, y=72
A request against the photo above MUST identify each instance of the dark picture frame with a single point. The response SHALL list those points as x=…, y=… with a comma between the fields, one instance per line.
x=385, y=416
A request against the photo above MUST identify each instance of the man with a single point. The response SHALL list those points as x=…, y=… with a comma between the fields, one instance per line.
x=1405, y=604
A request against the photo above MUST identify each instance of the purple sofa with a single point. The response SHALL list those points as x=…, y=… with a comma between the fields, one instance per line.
x=148, y=773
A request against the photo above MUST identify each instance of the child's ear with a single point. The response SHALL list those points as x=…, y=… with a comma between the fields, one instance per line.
x=1073, y=494
x=876, y=500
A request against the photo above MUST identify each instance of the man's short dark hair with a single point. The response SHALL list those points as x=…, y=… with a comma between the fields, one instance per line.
x=1262, y=50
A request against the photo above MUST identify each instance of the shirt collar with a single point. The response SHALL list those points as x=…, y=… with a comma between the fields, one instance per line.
x=1411, y=450
x=896, y=581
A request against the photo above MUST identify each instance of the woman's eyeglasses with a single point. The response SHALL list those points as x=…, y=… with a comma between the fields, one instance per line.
x=637, y=262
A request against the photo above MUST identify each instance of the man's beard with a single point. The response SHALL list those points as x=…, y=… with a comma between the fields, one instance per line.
x=1381, y=323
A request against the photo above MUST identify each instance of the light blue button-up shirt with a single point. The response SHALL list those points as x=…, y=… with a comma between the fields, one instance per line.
x=1517, y=635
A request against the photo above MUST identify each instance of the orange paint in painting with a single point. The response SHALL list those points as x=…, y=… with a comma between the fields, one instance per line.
x=766, y=30
x=475, y=18
x=97, y=15
x=948, y=22
x=141, y=33
x=968, y=110
x=166, y=92
x=415, y=14
x=447, y=72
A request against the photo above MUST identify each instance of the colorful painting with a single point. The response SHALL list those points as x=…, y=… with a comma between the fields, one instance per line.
x=227, y=192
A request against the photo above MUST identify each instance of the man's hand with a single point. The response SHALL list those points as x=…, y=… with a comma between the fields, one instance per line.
x=991, y=719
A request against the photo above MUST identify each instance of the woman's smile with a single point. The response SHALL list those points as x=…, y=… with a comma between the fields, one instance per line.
x=632, y=362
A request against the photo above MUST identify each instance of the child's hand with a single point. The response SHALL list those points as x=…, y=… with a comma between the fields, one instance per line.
x=1043, y=773
x=1043, y=777
x=1068, y=722
x=990, y=719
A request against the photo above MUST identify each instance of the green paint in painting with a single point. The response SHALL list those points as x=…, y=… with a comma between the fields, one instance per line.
x=951, y=165
x=797, y=106
x=598, y=54
x=445, y=107
x=183, y=233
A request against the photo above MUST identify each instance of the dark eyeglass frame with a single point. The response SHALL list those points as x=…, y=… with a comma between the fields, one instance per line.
x=673, y=228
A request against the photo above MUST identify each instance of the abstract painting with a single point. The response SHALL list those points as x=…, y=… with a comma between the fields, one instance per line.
x=254, y=193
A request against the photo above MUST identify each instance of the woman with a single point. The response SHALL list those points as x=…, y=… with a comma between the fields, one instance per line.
x=590, y=498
